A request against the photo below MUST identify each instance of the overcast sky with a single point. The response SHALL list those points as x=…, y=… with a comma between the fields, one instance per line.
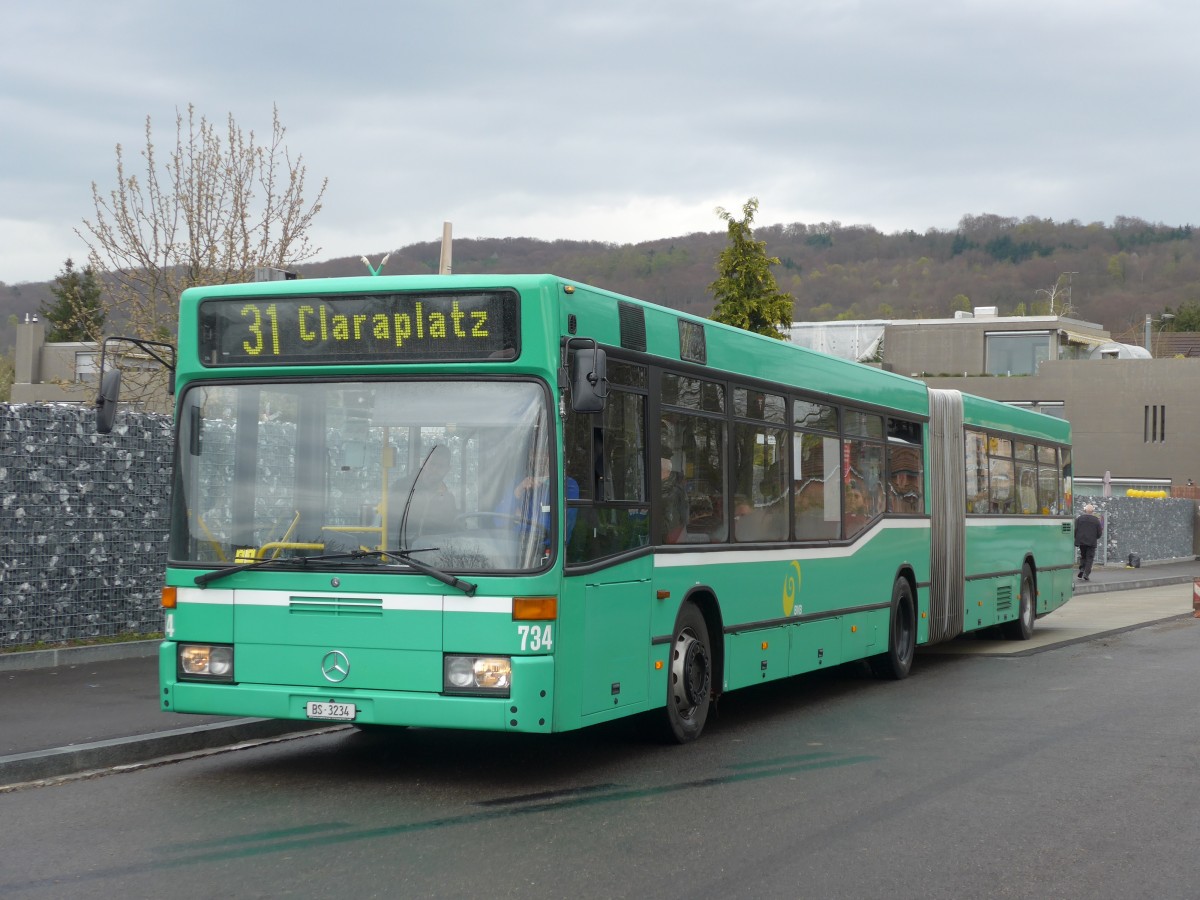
x=615, y=120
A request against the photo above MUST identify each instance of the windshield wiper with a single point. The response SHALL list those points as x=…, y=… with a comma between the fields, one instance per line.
x=404, y=556
x=204, y=579
x=412, y=490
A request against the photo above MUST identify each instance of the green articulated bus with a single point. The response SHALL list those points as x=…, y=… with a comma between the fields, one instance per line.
x=520, y=503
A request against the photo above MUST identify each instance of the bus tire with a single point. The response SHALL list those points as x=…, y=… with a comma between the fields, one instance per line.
x=897, y=662
x=1021, y=628
x=689, y=677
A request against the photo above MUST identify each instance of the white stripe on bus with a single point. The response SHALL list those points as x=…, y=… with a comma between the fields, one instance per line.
x=783, y=554
x=391, y=602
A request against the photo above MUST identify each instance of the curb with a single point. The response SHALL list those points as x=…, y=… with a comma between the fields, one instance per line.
x=72, y=760
x=28, y=660
x=1093, y=587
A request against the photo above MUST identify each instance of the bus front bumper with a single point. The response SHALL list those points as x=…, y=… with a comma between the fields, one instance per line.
x=528, y=708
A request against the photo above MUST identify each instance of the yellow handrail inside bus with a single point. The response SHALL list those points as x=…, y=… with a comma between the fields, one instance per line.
x=287, y=534
x=212, y=540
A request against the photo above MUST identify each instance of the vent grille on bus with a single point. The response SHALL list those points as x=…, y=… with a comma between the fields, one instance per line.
x=336, y=606
x=633, y=326
x=1004, y=598
x=1067, y=528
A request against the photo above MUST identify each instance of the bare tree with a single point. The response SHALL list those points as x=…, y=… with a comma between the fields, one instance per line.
x=1059, y=296
x=221, y=205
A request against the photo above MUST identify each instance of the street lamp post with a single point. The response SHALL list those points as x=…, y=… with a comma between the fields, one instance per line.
x=1162, y=321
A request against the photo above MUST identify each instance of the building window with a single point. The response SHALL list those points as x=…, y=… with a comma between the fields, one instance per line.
x=86, y=366
x=1015, y=352
x=1045, y=407
x=1154, y=424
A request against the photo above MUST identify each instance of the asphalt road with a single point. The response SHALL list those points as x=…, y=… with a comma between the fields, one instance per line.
x=1066, y=773
x=97, y=708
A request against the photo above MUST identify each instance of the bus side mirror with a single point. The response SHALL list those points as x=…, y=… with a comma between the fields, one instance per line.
x=589, y=380
x=106, y=400
x=110, y=379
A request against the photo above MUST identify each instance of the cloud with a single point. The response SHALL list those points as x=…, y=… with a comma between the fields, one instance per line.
x=613, y=121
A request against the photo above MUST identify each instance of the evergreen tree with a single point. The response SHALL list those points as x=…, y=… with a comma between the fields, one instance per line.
x=1187, y=318
x=745, y=290
x=7, y=375
x=78, y=314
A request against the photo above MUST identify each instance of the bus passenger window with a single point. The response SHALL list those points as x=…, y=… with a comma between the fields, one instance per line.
x=904, y=480
x=675, y=509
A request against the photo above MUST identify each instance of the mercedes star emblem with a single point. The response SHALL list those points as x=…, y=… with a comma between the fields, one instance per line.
x=335, y=666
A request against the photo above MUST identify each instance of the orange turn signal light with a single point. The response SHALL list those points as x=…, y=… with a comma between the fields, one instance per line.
x=530, y=609
x=168, y=598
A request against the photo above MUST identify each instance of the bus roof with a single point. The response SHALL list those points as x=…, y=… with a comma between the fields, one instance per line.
x=728, y=349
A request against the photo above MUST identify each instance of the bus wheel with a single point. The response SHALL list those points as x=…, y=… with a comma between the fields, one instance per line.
x=1021, y=629
x=897, y=662
x=689, y=681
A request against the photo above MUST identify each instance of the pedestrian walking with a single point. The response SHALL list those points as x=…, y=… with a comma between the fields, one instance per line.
x=1087, y=535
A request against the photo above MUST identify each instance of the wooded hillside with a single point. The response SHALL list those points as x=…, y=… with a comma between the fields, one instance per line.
x=1120, y=272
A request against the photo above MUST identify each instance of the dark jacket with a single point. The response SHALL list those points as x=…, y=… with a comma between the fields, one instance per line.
x=1087, y=530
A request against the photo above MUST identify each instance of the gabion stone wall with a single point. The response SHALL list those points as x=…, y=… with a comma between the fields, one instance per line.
x=1152, y=529
x=83, y=523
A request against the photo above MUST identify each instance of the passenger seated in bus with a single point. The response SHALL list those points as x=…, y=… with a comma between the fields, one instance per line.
x=773, y=505
x=904, y=482
x=817, y=514
x=701, y=514
x=674, y=502
x=747, y=521
x=430, y=505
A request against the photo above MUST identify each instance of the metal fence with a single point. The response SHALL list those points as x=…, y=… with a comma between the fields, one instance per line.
x=83, y=523
x=1148, y=528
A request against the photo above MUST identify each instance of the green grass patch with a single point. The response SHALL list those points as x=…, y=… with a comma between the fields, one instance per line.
x=83, y=642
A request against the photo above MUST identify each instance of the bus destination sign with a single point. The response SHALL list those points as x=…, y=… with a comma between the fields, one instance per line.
x=360, y=328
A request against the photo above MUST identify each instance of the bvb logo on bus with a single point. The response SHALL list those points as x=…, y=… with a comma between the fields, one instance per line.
x=791, y=585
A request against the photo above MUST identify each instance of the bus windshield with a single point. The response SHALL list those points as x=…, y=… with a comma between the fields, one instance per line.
x=454, y=473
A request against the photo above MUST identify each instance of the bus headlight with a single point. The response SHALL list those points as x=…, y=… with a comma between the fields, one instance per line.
x=212, y=662
x=491, y=675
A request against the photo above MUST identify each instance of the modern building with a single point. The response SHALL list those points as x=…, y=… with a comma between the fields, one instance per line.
x=1135, y=416
x=53, y=373
x=69, y=372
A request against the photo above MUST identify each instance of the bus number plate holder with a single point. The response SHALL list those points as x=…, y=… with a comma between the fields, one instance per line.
x=337, y=712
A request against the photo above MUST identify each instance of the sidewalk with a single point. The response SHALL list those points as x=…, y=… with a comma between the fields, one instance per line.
x=1117, y=577
x=73, y=710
